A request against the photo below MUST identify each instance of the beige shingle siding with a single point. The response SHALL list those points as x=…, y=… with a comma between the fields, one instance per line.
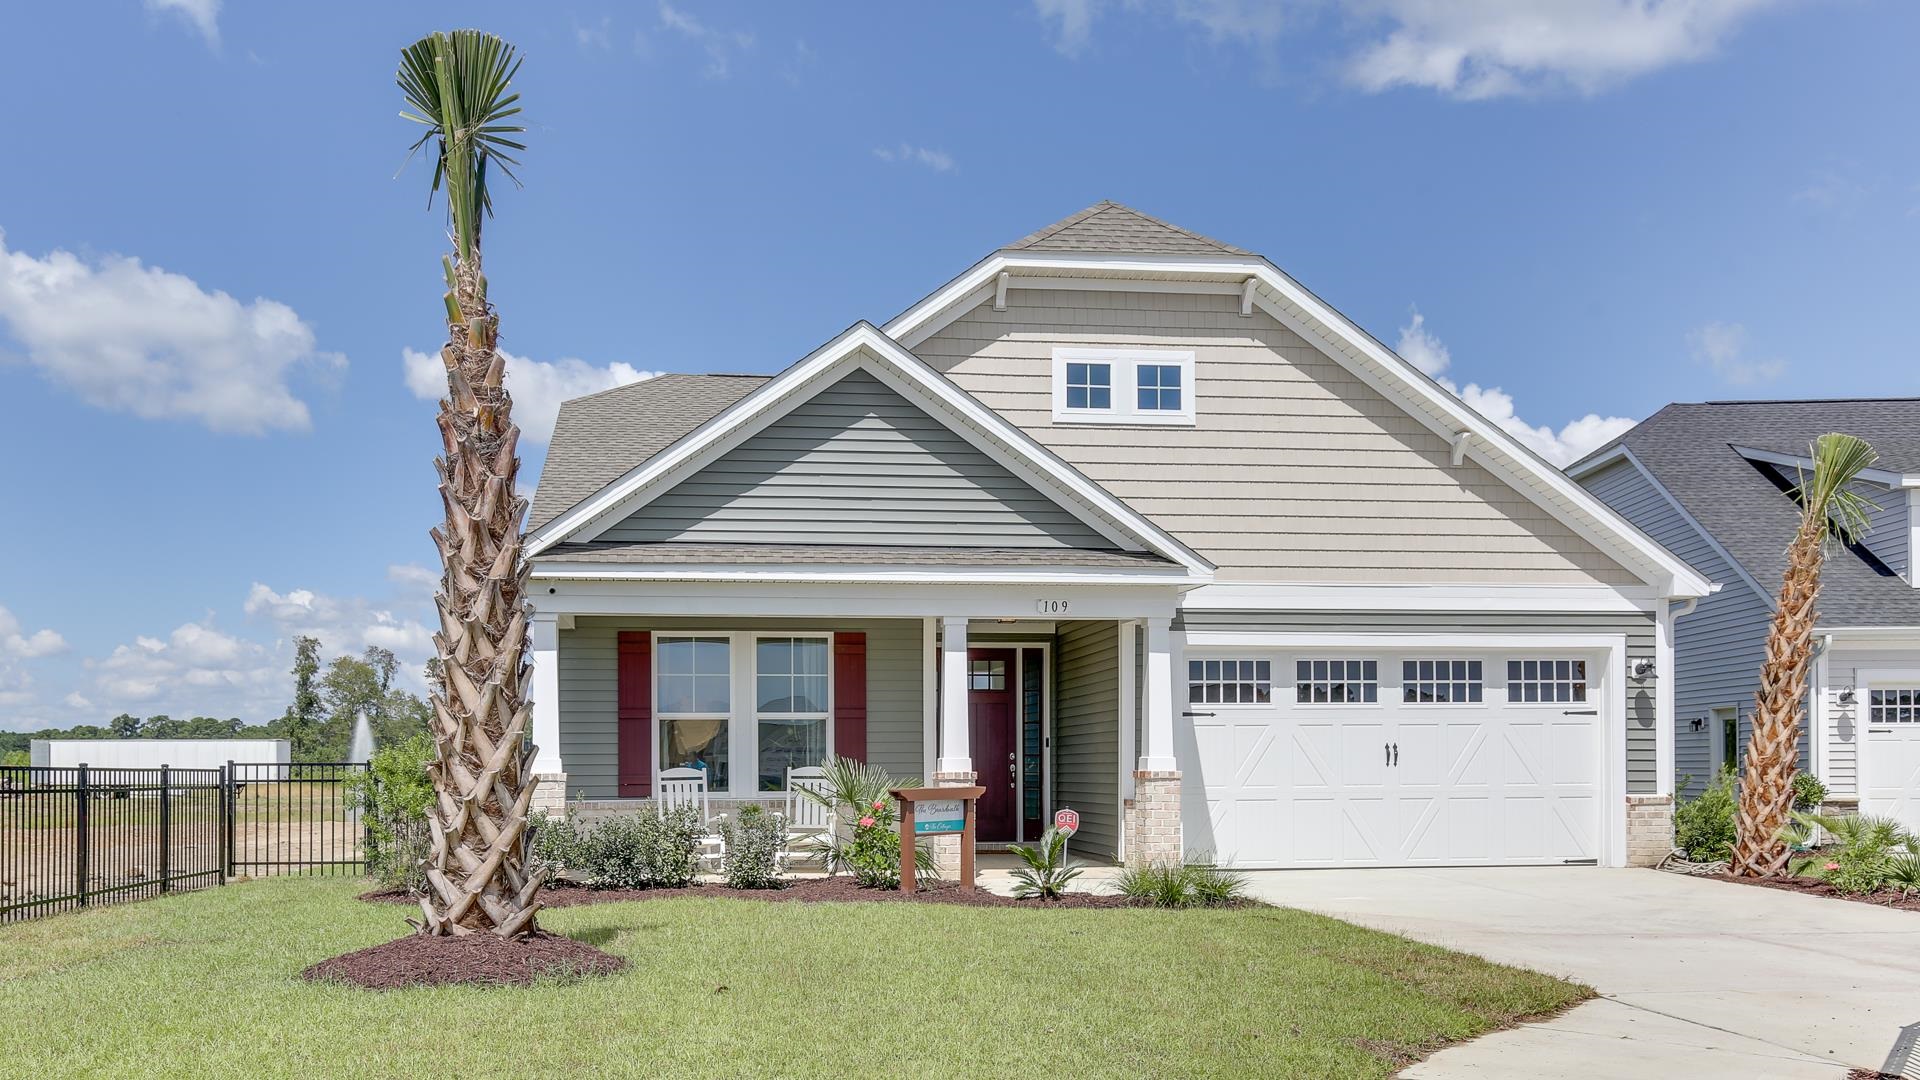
x=589, y=691
x=1296, y=471
x=1638, y=629
x=856, y=464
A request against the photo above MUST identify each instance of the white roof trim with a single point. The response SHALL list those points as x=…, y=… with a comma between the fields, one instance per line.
x=1290, y=302
x=856, y=572
x=1622, y=453
x=1802, y=462
x=863, y=346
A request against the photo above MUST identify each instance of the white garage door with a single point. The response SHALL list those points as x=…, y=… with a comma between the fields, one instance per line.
x=1890, y=775
x=1378, y=758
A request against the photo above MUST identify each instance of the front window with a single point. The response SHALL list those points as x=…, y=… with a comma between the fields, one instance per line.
x=1159, y=387
x=695, y=703
x=1546, y=681
x=1090, y=386
x=790, y=710
x=1337, y=682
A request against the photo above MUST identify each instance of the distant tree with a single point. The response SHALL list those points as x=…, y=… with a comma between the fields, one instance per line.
x=303, y=716
x=363, y=686
x=124, y=726
x=16, y=757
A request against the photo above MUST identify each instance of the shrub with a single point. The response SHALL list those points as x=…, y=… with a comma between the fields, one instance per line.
x=392, y=797
x=630, y=851
x=865, y=837
x=1808, y=792
x=1862, y=855
x=1703, y=826
x=754, y=838
x=1047, y=871
x=1184, y=884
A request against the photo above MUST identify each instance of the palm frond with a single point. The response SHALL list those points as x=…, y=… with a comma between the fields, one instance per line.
x=458, y=85
x=1827, y=493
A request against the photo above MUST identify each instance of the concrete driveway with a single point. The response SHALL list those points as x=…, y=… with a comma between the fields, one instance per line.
x=1697, y=978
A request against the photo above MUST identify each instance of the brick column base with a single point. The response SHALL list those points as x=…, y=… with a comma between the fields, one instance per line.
x=551, y=794
x=1649, y=829
x=946, y=847
x=1152, y=819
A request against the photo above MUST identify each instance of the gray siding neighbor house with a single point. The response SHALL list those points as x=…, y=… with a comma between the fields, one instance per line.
x=1713, y=482
x=1121, y=519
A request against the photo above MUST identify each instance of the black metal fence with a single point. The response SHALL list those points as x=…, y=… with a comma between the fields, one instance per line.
x=71, y=837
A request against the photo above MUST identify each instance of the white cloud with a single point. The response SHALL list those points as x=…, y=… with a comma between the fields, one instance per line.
x=721, y=46
x=1830, y=189
x=906, y=153
x=197, y=670
x=1419, y=347
x=343, y=625
x=134, y=338
x=15, y=641
x=204, y=15
x=594, y=37
x=1723, y=347
x=76, y=700
x=1468, y=49
x=538, y=387
x=414, y=578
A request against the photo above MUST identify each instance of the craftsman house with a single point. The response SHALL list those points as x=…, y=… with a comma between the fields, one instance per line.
x=1122, y=519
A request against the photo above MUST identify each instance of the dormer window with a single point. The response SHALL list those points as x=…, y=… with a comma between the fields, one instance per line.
x=1123, y=386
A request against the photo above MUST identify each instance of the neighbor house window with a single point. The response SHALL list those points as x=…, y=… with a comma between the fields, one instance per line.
x=1337, y=682
x=1895, y=706
x=1440, y=682
x=1547, y=681
x=1090, y=386
x=1123, y=386
x=790, y=706
x=695, y=703
x=1230, y=682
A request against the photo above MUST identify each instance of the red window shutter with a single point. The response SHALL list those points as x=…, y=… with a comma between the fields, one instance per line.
x=636, y=714
x=850, y=696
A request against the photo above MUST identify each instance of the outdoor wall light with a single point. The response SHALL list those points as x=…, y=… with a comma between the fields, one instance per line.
x=1846, y=697
x=1642, y=668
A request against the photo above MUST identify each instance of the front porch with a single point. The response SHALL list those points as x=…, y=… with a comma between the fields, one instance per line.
x=1045, y=713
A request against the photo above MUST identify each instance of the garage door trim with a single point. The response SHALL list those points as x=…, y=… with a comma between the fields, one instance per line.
x=1610, y=699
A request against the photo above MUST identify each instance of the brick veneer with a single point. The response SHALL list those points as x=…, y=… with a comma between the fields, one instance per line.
x=1649, y=829
x=1152, y=819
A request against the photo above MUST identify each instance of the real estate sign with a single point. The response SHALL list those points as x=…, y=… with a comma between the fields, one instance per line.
x=939, y=816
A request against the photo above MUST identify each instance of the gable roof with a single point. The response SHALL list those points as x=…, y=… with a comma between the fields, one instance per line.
x=1109, y=226
x=864, y=346
x=1142, y=252
x=1691, y=449
x=601, y=437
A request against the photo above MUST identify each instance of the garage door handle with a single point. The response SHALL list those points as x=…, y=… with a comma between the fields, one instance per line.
x=1396, y=755
x=1580, y=712
x=1879, y=731
x=1196, y=714
x=1387, y=749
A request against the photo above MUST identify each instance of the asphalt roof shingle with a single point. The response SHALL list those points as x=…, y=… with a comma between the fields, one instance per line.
x=1110, y=227
x=1689, y=448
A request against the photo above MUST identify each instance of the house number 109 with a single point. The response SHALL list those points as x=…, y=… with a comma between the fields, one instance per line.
x=1050, y=607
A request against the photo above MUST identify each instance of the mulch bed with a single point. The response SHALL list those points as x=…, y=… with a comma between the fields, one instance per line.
x=1886, y=898
x=469, y=960
x=803, y=890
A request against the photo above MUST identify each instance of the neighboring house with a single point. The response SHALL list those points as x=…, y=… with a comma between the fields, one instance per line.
x=1713, y=483
x=1121, y=519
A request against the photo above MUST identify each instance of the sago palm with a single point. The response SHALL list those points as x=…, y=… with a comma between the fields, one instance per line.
x=457, y=85
x=1828, y=507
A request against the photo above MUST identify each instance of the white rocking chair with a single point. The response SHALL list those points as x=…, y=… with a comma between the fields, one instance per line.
x=808, y=821
x=688, y=787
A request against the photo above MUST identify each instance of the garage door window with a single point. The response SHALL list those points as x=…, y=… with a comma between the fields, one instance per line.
x=1230, y=682
x=1896, y=706
x=1440, y=682
x=1546, y=681
x=1337, y=682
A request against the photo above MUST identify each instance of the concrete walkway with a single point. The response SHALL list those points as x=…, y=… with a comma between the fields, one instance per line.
x=1697, y=978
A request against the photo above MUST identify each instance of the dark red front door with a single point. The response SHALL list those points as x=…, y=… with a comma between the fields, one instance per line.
x=991, y=719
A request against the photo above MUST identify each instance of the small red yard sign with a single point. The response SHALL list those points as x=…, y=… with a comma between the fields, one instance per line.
x=1067, y=821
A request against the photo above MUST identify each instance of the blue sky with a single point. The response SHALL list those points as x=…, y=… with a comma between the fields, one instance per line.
x=209, y=276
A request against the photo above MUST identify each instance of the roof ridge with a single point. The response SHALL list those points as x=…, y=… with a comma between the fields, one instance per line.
x=657, y=378
x=1106, y=206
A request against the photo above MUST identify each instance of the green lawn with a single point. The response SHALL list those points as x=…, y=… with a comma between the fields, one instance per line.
x=206, y=984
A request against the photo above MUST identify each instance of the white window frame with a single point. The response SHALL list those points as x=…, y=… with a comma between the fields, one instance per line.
x=1272, y=660
x=743, y=715
x=1546, y=655
x=1125, y=400
x=1400, y=688
x=1380, y=697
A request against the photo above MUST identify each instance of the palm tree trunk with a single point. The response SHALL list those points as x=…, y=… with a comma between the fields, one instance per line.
x=1773, y=753
x=482, y=770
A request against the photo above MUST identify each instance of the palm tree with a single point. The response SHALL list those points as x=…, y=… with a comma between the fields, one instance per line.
x=1828, y=506
x=457, y=85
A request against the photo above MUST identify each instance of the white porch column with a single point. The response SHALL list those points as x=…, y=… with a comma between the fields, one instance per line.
x=1157, y=754
x=956, y=750
x=551, y=795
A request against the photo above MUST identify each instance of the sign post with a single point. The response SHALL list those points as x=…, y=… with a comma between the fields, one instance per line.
x=1066, y=822
x=936, y=811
